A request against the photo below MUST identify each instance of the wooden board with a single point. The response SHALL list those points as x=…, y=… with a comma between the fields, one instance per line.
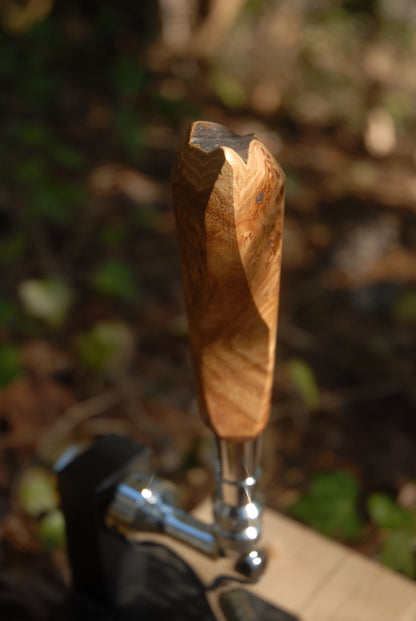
x=315, y=578
x=323, y=581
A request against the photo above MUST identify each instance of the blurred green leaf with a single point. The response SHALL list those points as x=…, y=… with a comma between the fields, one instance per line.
x=130, y=131
x=173, y=109
x=113, y=234
x=8, y=312
x=12, y=247
x=39, y=87
x=404, y=310
x=57, y=201
x=330, y=505
x=399, y=105
x=360, y=6
x=39, y=136
x=115, y=278
x=36, y=491
x=68, y=156
x=160, y=388
x=398, y=552
x=228, y=89
x=128, y=77
x=108, y=19
x=146, y=216
x=10, y=364
x=385, y=513
x=48, y=300
x=304, y=380
x=107, y=347
x=253, y=8
x=31, y=133
x=31, y=171
x=51, y=530
x=9, y=58
x=293, y=185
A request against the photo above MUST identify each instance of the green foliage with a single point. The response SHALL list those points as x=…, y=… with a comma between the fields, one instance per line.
x=398, y=552
x=12, y=247
x=253, y=8
x=13, y=321
x=51, y=530
x=130, y=131
x=38, y=88
x=41, y=174
x=115, y=278
x=8, y=58
x=175, y=109
x=400, y=107
x=360, y=6
x=55, y=202
x=108, y=19
x=31, y=133
x=113, y=235
x=330, y=505
x=386, y=514
x=68, y=157
x=128, y=78
x=44, y=146
x=228, y=89
x=10, y=363
x=30, y=172
x=399, y=526
x=8, y=312
x=107, y=348
x=404, y=310
x=304, y=380
x=293, y=185
x=146, y=216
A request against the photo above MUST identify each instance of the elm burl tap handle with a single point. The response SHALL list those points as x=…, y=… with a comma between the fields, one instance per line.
x=228, y=196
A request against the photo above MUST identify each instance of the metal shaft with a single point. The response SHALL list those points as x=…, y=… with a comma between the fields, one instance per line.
x=237, y=510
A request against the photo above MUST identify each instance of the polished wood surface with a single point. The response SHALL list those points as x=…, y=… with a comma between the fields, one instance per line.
x=228, y=194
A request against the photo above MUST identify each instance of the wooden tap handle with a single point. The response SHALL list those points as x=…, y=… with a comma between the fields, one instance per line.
x=228, y=194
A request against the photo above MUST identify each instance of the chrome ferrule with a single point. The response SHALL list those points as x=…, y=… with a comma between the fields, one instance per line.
x=237, y=509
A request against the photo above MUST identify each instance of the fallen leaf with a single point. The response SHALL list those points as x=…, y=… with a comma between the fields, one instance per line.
x=47, y=299
x=36, y=491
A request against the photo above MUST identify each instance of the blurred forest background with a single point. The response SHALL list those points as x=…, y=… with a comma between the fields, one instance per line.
x=95, y=99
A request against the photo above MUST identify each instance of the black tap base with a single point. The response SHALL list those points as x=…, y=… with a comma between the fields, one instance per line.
x=151, y=584
x=117, y=580
x=155, y=584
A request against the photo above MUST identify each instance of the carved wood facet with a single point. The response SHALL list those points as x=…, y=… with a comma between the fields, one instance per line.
x=228, y=194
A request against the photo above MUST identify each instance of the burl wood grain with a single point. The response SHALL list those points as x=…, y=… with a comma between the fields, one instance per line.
x=228, y=196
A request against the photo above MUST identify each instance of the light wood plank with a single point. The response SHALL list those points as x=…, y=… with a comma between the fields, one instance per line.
x=311, y=576
x=321, y=580
x=362, y=590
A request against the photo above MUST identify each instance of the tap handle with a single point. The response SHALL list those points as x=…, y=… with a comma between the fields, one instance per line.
x=228, y=194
